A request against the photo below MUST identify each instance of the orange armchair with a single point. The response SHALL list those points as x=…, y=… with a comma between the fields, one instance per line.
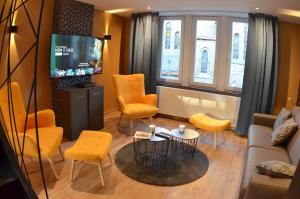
x=132, y=100
x=50, y=136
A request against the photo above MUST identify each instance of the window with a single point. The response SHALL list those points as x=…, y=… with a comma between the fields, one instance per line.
x=204, y=61
x=203, y=52
x=206, y=36
x=235, y=46
x=177, y=40
x=245, y=41
x=239, y=46
x=170, y=51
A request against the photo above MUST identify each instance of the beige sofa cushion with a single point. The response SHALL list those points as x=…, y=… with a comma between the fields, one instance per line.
x=260, y=136
x=294, y=143
x=262, y=186
x=294, y=148
x=257, y=155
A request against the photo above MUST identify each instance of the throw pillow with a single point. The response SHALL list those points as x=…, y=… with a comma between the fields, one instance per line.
x=276, y=169
x=284, y=131
x=282, y=117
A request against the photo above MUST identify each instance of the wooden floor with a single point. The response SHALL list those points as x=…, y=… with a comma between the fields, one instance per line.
x=221, y=180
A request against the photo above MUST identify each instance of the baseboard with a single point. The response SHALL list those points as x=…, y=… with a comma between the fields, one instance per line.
x=182, y=119
x=111, y=110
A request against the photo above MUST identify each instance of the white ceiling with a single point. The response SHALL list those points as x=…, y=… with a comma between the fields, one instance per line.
x=245, y=6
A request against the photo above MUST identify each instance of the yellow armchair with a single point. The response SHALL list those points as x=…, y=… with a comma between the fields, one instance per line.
x=50, y=136
x=46, y=118
x=133, y=102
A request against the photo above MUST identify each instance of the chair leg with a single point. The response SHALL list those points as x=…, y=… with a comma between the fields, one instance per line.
x=52, y=167
x=111, y=162
x=131, y=127
x=72, y=170
x=200, y=134
x=100, y=171
x=215, y=141
x=61, y=153
x=223, y=138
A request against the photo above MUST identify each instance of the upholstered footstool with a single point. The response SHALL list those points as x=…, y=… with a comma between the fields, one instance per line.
x=91, y=147
x=208, y=124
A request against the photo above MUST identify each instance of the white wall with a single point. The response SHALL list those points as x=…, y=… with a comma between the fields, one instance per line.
x=184, y=103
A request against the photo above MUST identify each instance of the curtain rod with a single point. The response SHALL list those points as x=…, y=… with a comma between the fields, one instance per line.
x=204, y=12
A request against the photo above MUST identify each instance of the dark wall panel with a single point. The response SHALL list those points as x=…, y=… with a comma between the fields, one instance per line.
x=76, y=18
x=73, y=17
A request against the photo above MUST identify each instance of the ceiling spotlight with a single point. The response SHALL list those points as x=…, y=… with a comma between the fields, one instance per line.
x=257, y=8
x=148, y=8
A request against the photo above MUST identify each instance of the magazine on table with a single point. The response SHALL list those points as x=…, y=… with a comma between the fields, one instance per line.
x=142, y=135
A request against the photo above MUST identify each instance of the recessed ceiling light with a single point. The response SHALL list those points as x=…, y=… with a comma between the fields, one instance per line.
x=257, y=8
x=148, y=8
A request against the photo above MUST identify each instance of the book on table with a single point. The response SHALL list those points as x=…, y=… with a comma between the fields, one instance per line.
x=142, y=135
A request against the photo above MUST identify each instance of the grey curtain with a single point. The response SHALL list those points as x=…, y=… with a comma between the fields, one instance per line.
x=144, y=47
x=260, y=77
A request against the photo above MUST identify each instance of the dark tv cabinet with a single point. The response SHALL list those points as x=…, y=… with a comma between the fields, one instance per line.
x=81, y=109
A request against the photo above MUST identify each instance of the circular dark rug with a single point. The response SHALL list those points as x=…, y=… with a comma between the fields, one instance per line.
x=177, y=172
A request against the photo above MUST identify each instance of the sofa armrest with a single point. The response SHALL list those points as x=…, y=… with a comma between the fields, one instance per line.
x=262, y=187
x=46, y=118
x=264, y=119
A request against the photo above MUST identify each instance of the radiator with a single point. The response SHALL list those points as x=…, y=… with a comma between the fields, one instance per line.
x=184, y=103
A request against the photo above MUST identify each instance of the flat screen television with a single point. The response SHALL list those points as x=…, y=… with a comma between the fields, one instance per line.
x=74, y=55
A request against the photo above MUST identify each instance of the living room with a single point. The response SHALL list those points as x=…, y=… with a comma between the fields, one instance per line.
x=149, y=98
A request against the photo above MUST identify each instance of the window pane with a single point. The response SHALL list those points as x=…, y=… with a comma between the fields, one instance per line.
x=238, y=53
x=170, y=53
x=205, y=51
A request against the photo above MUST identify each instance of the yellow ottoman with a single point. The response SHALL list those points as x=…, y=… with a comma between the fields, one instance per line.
x=92, y=147
x=206, y=123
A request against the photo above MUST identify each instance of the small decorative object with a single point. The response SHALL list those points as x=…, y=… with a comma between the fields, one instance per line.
x=152, y=128
x=181, y=128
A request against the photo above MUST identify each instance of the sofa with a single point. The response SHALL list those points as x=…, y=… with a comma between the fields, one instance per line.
x=255, y=185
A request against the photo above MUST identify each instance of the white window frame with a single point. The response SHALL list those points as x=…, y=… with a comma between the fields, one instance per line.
x=162, y=19
x=193, y=54
x=187, y=50
x=230, y=21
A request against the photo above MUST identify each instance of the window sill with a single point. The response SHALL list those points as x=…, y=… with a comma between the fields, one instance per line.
x=208, y=90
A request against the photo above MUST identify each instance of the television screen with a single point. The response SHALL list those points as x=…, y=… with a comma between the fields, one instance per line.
x=73, y=55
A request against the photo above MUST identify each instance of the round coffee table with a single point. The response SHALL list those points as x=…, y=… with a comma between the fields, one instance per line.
x=152, y=152
x=184, y=144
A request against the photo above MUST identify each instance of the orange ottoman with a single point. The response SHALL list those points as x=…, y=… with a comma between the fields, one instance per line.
x=208, y=124
x=92, y=147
